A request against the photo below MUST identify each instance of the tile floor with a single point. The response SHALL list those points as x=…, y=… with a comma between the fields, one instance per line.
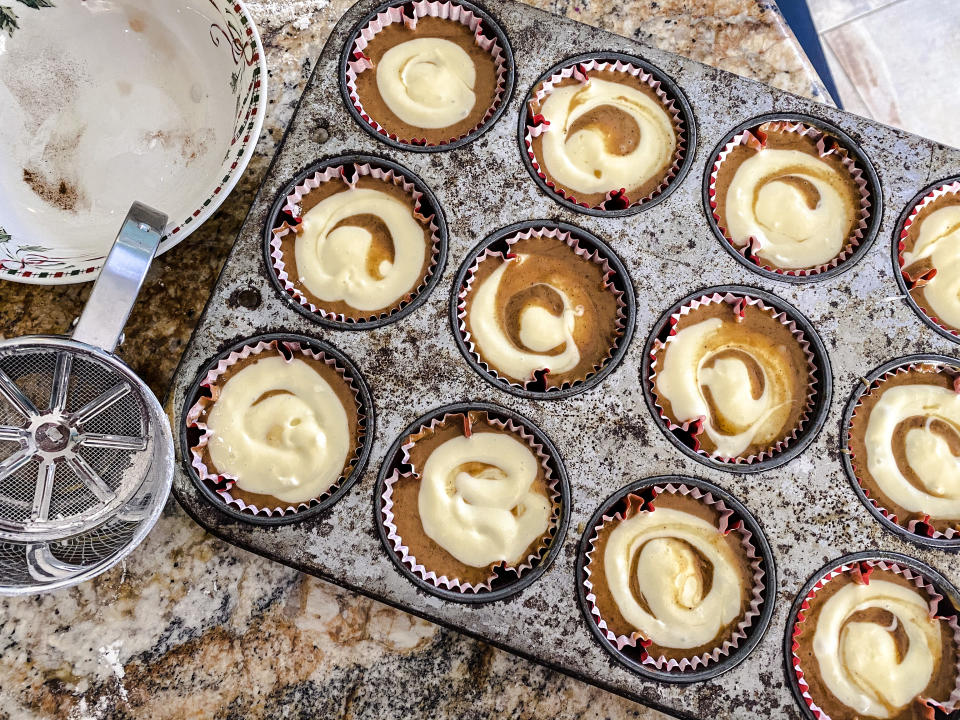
x=895, y=61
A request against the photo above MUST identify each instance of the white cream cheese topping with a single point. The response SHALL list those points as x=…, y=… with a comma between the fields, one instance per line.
x=293, y=444
x=487, y=517
x=927, y=452
x=581, y=161
x=939, y=240
x=428, y=82
x=859, y=660
x=764, y=202
x=683, y=380
x=540, y=331
x=654, y=553
x=332, y=261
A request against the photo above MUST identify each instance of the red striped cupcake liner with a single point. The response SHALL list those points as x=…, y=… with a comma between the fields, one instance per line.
x=349, y=175
x=408, y=14
x=570, y=240
x=756, y=139
x=407, y=556
x=223, y=483
x=694, y=426
x=537, y=125
x=861, y=572
x=635, y=504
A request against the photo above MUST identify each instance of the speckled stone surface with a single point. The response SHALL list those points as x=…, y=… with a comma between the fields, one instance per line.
x=192, y=627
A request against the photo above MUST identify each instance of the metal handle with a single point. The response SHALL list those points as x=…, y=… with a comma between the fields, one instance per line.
x=115, y=291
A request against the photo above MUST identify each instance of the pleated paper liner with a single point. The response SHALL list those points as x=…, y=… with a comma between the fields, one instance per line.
x=285, y=223
x=909, y=284
x=916, y=526
x=496, y=248
x=830, y=141
x=631, y=650
x=505, y=579
x=685, y=435
x=618, y=201
x=221, y=487
x=487, y=34
x=941, y=595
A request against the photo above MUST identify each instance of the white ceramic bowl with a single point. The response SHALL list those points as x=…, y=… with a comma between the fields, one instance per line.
x=103, y=102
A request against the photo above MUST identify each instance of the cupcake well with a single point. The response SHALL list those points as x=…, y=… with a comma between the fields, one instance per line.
x=216, y=487
x=285, y=216
x=675, y=102
x=584, y=244
x=505, y=581
x=488, y=34
x=734, y=517
x=833, y=140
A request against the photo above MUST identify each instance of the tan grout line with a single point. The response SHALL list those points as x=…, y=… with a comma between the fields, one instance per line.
x=838, y=68
x=856, y=17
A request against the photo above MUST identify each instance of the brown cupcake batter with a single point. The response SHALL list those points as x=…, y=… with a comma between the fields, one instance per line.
x=608, y=606
x=381, y=248
x=782, y=140
x=620, y=131
x=922, y=375
x=406, y=493
x=552, y=262
x=941, y=684
x=792, y=368
x=344, y=393
x=485, y=85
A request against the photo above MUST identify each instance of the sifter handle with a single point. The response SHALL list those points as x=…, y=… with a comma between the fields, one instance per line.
x=116, y=289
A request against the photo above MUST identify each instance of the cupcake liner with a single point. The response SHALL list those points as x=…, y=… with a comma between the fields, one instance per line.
x=695, y=427
x=358, y=62
x=912, y=283
x=634, y=505
x=536, y=125
x=861, y=571
x=756, y=138
x=223, y=483
x=564, y=236
x=921, y=526
x=405, y=554
x=331, y=174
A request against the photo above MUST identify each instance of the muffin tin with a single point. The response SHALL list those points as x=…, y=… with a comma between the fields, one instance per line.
x=606, y=435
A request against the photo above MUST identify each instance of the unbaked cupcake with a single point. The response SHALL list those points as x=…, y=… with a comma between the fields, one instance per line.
x=478, y=502
x=604, y=134
x=280, y=430
x=930, y=256
x=427, y=73
x=869, y=642
x=544, y=312
x=361, y=247
x=735, y=376
x=671, y=580
x=789, y=197
x=904, y=440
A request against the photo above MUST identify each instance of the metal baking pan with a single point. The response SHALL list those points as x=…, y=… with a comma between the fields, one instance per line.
x=606, y=436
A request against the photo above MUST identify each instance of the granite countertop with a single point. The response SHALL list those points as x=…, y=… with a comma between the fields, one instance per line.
x=189, y=626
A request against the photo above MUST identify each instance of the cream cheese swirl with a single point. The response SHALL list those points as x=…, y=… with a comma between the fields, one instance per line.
x=331, y=253
x=581, y=155
x=792, y=205
x=476, y=499
x=935, y=469
x=539, y=330
x=655, y=570
x=861, y=662
x=279, y=429
x=939, y=240
x=698, y=362
x=428, y=82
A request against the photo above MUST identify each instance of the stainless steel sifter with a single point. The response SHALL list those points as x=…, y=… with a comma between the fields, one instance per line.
x=86, y=455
